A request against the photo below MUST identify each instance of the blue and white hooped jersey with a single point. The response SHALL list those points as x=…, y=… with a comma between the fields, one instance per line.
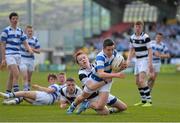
x=55, y=94
x=102, y=62
x=34, y=43
x=13, y=40
x=141, y=44
x=158, y=47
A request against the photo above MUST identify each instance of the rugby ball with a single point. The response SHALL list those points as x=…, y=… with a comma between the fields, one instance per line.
x=117, y=62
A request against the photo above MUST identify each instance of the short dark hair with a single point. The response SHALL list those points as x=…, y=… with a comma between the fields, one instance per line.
x=108, y=42
x=52, y=75
x=70, y=79
x=159, y=33
x=13, y=14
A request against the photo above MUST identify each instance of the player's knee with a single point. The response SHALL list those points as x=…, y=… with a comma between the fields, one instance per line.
x=16, y=74
x=120, y=107
x=99, y=107
x=141, y=82
x=25, y=78
x=103, y=112
x=124, y=107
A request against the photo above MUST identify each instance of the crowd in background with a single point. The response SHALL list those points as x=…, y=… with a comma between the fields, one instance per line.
x=171, y=34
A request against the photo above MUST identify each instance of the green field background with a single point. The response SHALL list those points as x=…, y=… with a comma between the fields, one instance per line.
x=165, y=96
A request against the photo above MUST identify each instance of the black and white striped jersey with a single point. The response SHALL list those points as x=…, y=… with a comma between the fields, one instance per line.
x=66, y=96
x=141, y=44
x=84, y=74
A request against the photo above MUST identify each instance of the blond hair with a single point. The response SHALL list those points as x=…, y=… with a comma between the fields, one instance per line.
x=139, y=23
x=76, y=54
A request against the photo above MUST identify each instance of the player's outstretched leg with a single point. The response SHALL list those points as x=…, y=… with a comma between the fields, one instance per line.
x=10, y=101
x=83, y=106
x=6, y=96
x=71, y=108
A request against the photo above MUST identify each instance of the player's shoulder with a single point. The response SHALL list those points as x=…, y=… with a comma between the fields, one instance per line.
x=115, y=52
x=163, y=44
x=55, y=85
x=132, y=36
x=6, y=29
x=100, y=53
x=78, y=88
x=19, y=29
x=62, y=86
x=153, y=41
x=101, y=56
x=82, y=71
x=63, y=89
x=34, y=38
x=145, y=35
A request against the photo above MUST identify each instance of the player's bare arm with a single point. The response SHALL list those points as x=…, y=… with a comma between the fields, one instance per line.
x=2, y=47
x=130, y=55
x=150, y=60
x=28, y=47
x=41, y=88
x=103, y=74
x=36, y=50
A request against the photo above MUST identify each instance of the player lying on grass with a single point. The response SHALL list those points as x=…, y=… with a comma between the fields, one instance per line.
x=43, y=95
x=84, y=72
x=69, y=92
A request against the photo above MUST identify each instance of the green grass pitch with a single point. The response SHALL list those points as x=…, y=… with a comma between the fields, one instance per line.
x=165, y=96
